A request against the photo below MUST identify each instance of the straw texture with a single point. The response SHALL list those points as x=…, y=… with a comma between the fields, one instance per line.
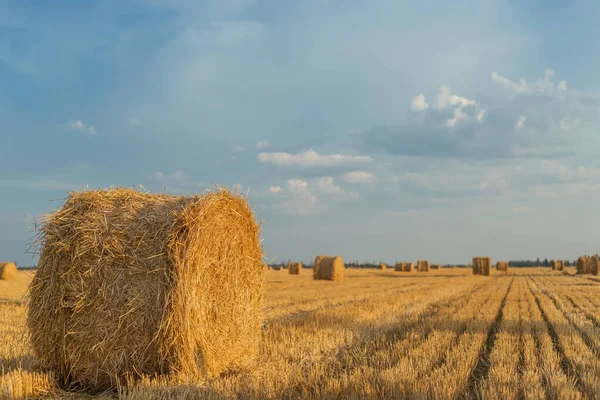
x=132, y=283
x=329, y=268
x=295, y=268
x=423, y=266
x=8, y=271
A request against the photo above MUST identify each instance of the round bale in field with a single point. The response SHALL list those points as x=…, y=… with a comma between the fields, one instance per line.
x=8, y=271
x=328, y=268
x=132, y=283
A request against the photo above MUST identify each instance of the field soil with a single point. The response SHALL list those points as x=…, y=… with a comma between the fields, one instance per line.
x=531, y=333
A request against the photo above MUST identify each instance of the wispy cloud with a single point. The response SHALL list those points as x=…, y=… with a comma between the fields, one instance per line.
x=359, y=177
x=78, y=125
x=263, y=144
x=311, y=159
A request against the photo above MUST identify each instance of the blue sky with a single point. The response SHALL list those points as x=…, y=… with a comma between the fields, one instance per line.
x=381, y=130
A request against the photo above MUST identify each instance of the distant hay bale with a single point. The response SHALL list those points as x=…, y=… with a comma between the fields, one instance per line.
x=132, y=283
x=583, y=265
x=594, y=265
x=408, y=267
x=502, y=266
x=399, y=267
x=329, y=268
x=423, y=266
x=435, y=266
x=382, y=266
x=8, y=271
x=295, y=268
x=482, y=265
x=316, y=267
x=558, y=265
x=276, y=267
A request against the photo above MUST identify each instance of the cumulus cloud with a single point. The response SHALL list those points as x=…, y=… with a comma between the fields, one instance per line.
x=78, y=125
x=457, y=126
x=274, y=189
x=311, y=159
x=419, y=103
x=359, y=177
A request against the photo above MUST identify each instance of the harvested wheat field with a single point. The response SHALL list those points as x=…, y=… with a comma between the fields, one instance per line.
x=532, y=333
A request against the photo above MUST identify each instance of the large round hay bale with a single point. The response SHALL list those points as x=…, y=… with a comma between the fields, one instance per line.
x=294, y=268
x=423, y=266
x=558, y=265
x=329, y=268
x=399, y=266
x=408, y=267
x=8, y=271
x=476, y=266
x=132, y=283
x=435, y=266
x=382, y=266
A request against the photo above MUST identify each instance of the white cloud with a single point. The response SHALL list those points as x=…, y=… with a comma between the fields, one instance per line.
x=326, y=184
x=78, y=125
x=359, y=177
x=419, y=103
x=521, y=121
x=275, y=189
x=177, y=176
x=544, y=85
x=262, y=144
x=310, y=159
x=301, y=200
x=446, y=99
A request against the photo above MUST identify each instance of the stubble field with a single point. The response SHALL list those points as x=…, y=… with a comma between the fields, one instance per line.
x=532, y=333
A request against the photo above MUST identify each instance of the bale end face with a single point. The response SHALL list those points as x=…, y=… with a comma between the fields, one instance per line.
x=423, y=266
x=329, y=268
x=382, y=266
x=146, y=284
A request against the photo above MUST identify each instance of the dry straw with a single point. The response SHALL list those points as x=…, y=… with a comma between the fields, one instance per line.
x=399, y=267
x=295, y=268
x=408, y=267
x=558, y=265
x=132, y=283
x=328, y=268
x=435, y=266
x=593, y=265
x=583, y=265
x=382, y=266
x=423, y=266
x=277, y=267
x=8, y=271
x=502, y=266
x=482, y=265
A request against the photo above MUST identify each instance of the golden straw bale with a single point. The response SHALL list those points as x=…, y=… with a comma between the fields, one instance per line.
x=408, y=267
x=8, y=271
x=295, y=268
x=583, y=265
x=399, y=267
x=329, y=268
x=316, y=267
x=266, y=267
x=476, y=265
x=132, y=283
x=276, y=267
x=593, y=265
x=486, y=265
x=423, y=266
x=502, y=266
x=435, y=266
x=558, y=265
x=382, y=266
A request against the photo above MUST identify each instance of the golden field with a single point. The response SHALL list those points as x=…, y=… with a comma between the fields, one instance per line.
x=532, y=333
